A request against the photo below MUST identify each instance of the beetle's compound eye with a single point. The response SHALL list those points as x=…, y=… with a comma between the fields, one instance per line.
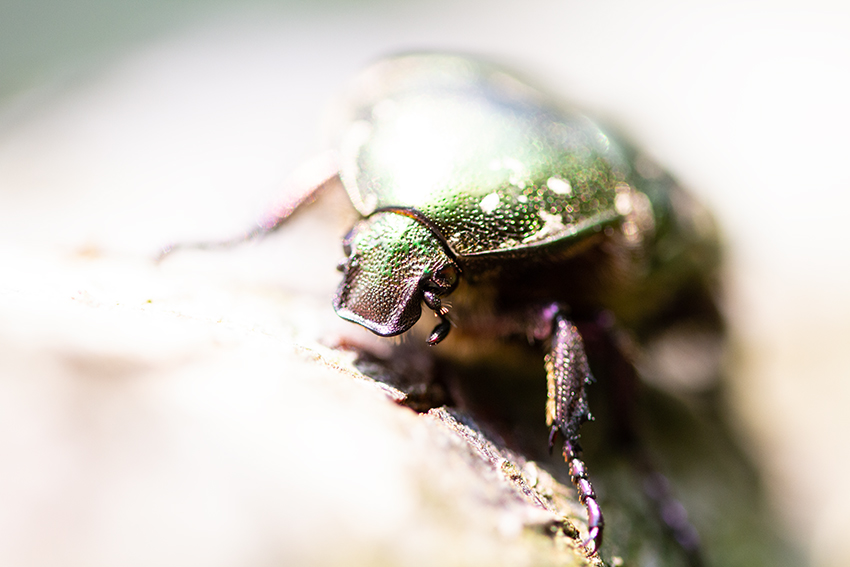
x=442, y=281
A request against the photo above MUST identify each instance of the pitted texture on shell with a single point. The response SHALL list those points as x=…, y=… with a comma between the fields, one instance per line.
x=493, y=164
x=390, y=254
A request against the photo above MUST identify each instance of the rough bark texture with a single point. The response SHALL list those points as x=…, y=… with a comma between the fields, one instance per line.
x=193, y=413
x=144, y=426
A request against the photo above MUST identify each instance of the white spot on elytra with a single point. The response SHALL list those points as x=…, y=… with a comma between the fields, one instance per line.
x=552, y=225
x=489, y=203
x=559, y=186
x=623, y=203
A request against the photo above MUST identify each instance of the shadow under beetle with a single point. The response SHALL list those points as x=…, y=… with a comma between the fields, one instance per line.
x=472, y=184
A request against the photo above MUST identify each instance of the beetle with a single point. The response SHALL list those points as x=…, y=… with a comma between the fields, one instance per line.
x=473, y=185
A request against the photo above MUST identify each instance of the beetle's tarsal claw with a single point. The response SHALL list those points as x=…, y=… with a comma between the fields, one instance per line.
x=593, y=540
x=587, y=496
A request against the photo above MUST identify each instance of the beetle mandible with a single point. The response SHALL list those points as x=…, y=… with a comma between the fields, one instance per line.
x=474, y=185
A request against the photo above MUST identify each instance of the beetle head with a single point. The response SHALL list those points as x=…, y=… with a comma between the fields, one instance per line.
x=394, y=264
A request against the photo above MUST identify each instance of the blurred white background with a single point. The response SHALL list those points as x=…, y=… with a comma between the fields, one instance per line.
x=125, y=125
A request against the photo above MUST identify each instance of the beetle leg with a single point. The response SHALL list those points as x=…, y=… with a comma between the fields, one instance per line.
x=603, y=338
x=568, y=374
x=300, y=188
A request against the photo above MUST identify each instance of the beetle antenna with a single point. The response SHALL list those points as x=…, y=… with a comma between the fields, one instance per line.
x=442, y=329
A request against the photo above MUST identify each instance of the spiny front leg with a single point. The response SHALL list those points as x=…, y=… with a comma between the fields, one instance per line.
x=302, y=186
x=568, y=375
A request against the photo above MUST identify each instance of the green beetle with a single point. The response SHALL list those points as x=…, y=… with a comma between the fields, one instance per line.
x=465, y=175
x=473, y=184
x=458, y=168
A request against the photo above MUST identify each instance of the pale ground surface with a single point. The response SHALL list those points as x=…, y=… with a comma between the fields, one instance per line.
x=184, y=414
x=190, y=137
x=143, y=426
